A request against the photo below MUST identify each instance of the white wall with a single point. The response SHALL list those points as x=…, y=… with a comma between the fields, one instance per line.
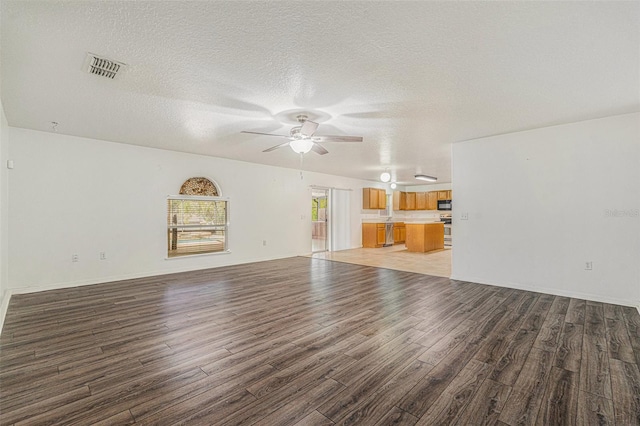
x=538, y=204
x=4, y=145
x=74, y=195
x=429, y=187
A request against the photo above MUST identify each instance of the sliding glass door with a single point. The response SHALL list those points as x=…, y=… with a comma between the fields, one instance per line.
x=319, y=219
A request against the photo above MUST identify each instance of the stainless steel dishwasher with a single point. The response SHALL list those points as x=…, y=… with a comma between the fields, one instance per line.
x=388, y=234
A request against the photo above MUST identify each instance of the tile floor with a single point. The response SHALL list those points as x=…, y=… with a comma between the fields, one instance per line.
x=396, y=257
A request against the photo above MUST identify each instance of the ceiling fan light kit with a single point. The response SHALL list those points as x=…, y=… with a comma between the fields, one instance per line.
x=426, y=178
x=301, y=146
x=385, y=177
x=302, y=139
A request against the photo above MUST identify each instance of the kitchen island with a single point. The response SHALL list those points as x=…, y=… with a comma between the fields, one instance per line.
x=424, y=236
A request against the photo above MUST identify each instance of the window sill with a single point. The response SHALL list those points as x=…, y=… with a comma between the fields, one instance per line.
x=189, y=256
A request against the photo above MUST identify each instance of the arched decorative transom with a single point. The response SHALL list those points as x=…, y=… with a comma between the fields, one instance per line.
x=199, y=186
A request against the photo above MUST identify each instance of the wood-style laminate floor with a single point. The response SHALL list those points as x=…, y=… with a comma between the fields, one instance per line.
x=312, y=342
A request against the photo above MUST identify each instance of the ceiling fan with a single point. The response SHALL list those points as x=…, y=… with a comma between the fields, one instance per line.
x=302, y=139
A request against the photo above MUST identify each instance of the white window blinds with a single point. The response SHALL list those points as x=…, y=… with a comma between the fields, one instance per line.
x=196, y=225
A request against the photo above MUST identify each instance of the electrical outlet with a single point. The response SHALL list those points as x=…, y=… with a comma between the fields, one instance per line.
x=103, y=255
x=588, y=266
x=264, y=242
x=75, y=258
x=464, y=216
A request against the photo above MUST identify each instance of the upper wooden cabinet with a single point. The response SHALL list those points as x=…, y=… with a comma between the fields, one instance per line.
x=432, y=200
x=421, y=201
x=442, y=195
x=399, y=200
x=403, y=201
x=411, y=201
x=374, y=198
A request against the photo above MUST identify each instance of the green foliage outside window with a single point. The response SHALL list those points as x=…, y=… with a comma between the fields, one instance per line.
x=317, y=204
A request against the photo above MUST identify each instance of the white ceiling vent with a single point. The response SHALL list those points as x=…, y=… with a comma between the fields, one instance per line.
x=104, y=67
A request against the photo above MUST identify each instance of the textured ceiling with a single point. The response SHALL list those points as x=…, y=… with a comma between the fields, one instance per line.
x=410, y=77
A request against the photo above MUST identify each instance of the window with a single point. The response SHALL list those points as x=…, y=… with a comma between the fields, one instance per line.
x=196, y=225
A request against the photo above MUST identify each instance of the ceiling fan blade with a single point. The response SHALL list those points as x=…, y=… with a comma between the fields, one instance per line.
x=319, y=149
x=337, y=138
x=273, y=148
x=265, y=134
x=308, y=128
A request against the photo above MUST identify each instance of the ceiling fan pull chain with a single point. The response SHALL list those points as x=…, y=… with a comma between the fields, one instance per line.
x=301, y=158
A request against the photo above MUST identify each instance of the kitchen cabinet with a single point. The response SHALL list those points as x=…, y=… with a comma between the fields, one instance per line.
x=423, y=237
x=411, y=201
x=373, y=235
x=396, y=200
x=374, y=198
x=432, y=200
x=399, y=200
x=421, y=201
x=380, y=234
x=399, y=232
x=442, y=195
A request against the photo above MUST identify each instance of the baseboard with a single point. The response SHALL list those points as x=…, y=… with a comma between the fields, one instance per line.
x=113, y=278
x=4, y=305
x=553, y=291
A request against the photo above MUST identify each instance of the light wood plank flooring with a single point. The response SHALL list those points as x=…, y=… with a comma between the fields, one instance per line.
x=437, y=263
x=306, y=341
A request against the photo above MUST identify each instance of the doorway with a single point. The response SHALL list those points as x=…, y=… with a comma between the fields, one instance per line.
x=319, y=220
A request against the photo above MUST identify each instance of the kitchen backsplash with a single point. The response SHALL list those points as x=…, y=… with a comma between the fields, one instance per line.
x=404, y=214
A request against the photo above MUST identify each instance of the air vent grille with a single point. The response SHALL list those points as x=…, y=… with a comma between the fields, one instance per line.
x=103, y=67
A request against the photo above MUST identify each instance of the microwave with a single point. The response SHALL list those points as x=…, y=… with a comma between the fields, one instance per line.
x=444, y=204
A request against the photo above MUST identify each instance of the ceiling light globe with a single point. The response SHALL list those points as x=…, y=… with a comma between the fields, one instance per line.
x=301, y=146
x=393, y=186
x=385, y=177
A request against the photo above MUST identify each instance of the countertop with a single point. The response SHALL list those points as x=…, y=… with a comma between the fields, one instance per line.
x=424, y=221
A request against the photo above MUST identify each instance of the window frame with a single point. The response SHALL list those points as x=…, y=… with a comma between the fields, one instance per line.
x=169, y=227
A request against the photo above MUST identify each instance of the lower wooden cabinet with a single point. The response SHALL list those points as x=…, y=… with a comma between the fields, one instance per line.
x=399, y=233
x=380, y=234
x=373, y=235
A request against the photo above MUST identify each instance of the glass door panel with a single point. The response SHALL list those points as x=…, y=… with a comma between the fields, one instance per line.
x=319, y=219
